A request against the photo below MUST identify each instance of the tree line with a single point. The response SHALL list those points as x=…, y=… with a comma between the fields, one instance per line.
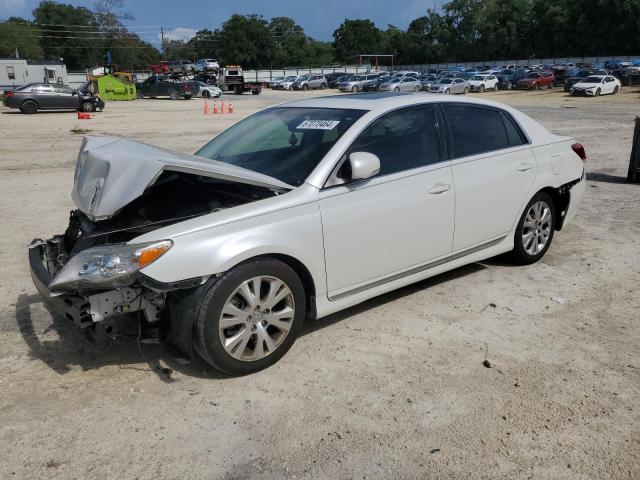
x=461, y=30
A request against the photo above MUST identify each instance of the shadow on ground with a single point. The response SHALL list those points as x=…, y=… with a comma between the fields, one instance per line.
x=73, y=348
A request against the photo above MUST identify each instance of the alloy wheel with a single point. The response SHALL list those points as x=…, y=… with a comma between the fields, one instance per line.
x=536, y=229
x=256, y=318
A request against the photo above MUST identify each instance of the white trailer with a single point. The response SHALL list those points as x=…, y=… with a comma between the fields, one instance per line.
x=16, y=72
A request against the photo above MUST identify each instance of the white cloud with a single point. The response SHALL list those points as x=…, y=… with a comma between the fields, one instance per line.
x=12, y=5
x=179, y=33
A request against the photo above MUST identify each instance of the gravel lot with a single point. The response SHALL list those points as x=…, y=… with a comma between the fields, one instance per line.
x=392, y=389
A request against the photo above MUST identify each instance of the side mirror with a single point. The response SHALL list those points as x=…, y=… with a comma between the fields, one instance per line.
x=75, y=92
x=363, y=165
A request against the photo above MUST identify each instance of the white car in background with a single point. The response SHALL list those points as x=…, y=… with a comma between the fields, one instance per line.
x=209, y=91
x=287, y=82
x=299, y=211
x=596, y=85
x=207, y=65
x=482, y=82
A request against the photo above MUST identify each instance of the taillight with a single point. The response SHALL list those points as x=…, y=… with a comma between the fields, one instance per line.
x=8, y=94
x=579, y=149
x=185, y=87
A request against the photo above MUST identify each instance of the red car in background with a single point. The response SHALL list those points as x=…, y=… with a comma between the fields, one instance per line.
x=536, y=80
x=160, y=68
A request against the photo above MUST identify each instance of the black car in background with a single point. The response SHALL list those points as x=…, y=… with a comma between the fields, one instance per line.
x=158, y=86
x=32, y=97
x=581, y=75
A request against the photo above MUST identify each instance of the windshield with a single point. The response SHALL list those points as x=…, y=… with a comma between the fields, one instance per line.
x=533, y=75
x=290, y=79
x=478, y=77
x=506, y=72
x=592, y=80
x=285, y=143
x=446, y=80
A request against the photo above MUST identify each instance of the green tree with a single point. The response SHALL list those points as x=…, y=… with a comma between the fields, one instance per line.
x=291, y=42
x=245, y=40
x=502, y=26
x=354, y=37
x=18, y=35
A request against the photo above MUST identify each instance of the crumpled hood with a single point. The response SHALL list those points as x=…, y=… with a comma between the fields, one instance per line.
x=112, y=172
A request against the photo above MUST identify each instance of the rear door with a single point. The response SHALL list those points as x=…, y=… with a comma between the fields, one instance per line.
x=44, y=96
x=493, y=171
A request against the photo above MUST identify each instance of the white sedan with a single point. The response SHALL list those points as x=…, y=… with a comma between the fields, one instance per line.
x=482, y=82
x=596, y=85
x=209, y=91
x=297, y=212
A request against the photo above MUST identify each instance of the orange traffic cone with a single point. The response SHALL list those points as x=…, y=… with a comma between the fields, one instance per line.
x=215, y=107
x=231, y=107
x=84, y=116
x=206, y=107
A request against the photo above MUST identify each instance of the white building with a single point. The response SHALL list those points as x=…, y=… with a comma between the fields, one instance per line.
x=16, y=72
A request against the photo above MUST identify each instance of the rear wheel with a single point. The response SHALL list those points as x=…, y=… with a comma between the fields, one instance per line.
x=535, y=230
x=305, y=87
x=323, y=86
x=250, y=317
x=173, y=94
x=29, y=107
x=139, y=94
x=447, y=91
x=466, y=90
x=353, y=89
x=416, y=89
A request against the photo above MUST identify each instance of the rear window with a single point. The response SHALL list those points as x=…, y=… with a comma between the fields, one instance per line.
x=497, y=130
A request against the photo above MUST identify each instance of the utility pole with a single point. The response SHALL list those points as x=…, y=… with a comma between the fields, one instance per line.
x=162, y=39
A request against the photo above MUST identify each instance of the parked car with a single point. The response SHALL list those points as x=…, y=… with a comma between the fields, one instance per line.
x=299, y=211
x=32, y=97
x=426, y=81
x=332, y=78
x=286, y=83
x=208, y=91
x=206, y=65
x=181, y=67
x=351, y=84
x=335, y=81
x=157, y=86
x=450, y=86
x=480, y=83
x=508, y=78
x=582, y=74
x=596, y=85
x=374, y=84
x=536, y=80
x=406, y=83
x=275, y=81
x=160, y=68
x=311, y=81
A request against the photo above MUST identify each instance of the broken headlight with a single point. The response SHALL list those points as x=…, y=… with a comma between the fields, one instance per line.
x=108, y=266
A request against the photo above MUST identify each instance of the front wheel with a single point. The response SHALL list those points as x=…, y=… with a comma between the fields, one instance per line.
x=323, y=86
x=29, y=107
x=206, y=94
x=597, y=92
x=481, y=89
x=535, y=230
x=305, y=87
x=396, y=89
x=466, y=90
x=447, y=91
x=139, y=94
x=616, y=89
x=88, y=107
x=250, y=317
x=416, y=89
x=173, y=94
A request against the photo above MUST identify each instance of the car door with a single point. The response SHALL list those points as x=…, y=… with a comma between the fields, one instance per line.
x=609, y=85
x=493, y=171
x=44, y=96
x=457, y=86
x=64, y=97
x=398, y=219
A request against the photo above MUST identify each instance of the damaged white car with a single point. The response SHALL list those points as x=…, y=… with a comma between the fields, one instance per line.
x=297, y=212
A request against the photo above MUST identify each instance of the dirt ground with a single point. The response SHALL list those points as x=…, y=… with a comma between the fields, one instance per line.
x=392, y=389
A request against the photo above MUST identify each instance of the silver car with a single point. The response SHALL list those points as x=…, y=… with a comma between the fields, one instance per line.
x=275, y=81
x=450, y=86
x=310, y=81
x=351, y=84
x=286, y=83
x=408, y=83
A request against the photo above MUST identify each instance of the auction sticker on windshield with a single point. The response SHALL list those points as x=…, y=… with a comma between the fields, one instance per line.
x=318, y=125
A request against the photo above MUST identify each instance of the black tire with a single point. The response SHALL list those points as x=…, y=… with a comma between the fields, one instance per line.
x=550, y=86
x=354, y=89
x=416, y=89
x=188, y=96
x=598, y=91
x=139, y=94
x=208, y=343
x=29, y=107
x=481, y=89
x=88, y=107
x=519, y=253
x=305, y=87
x=466, y=90
x=206, y=94
x=616, y=89
x=173, y=94
x=323, y=86
x=447, y=91
x=396, y=89
x=255, y=91
x=509, y=86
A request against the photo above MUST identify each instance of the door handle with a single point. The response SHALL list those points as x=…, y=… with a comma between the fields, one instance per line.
x=440, y=188
x=524, y=167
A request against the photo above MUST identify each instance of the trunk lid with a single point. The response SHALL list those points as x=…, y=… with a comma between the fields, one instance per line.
x=111, y=172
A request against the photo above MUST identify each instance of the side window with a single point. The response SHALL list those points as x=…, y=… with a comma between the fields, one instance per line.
x=514, y=134
x=402, y=140
x=11, y=73
x=42, y=89
x=464, y=123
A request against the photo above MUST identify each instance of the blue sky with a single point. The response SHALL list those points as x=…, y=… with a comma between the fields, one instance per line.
x=182, y=18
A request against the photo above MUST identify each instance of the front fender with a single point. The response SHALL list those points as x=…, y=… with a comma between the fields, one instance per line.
x=295, y=232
